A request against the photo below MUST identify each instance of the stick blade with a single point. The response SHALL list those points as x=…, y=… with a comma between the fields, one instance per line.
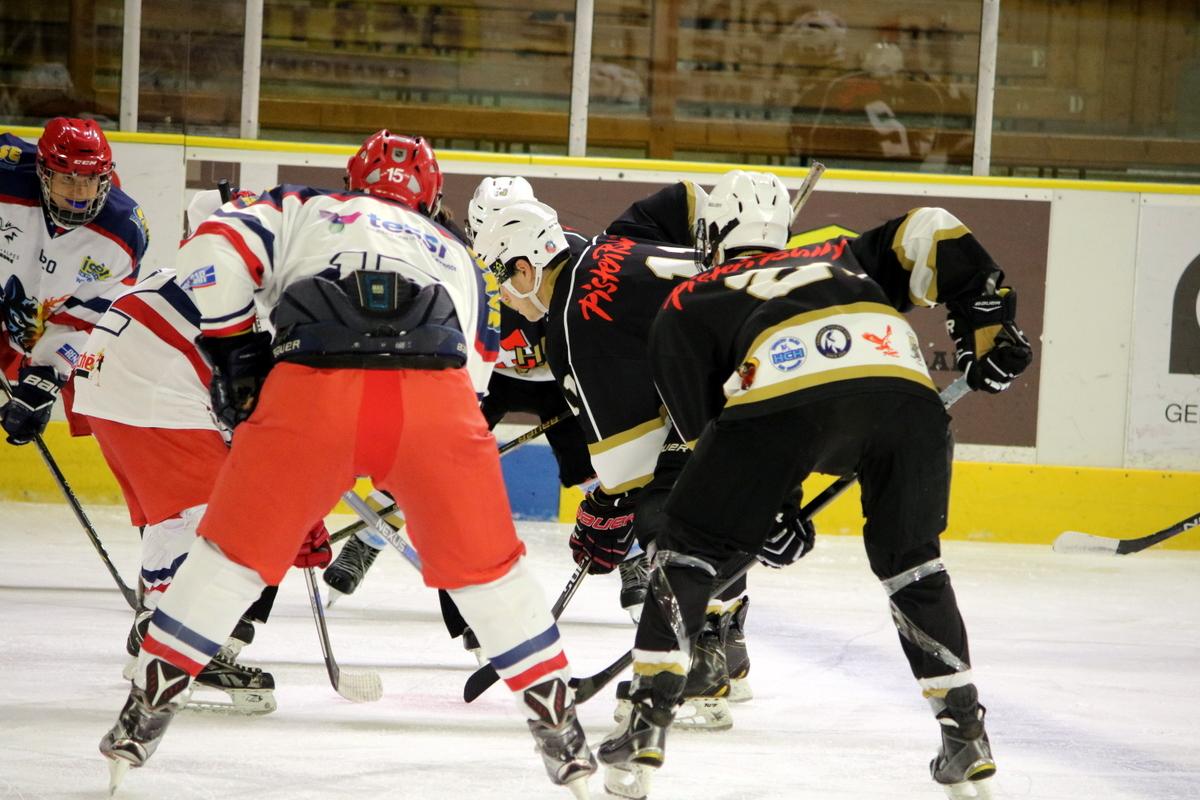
x=359, y=687
x=479, y=682
x=1078, y=542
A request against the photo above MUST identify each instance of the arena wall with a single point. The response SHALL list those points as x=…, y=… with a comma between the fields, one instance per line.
x=1102, y=434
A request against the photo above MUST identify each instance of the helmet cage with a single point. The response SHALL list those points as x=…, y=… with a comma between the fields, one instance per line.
x=74, y=147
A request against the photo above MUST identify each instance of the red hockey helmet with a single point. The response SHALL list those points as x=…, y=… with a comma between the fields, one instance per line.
x=75, y=148
x=398, y=167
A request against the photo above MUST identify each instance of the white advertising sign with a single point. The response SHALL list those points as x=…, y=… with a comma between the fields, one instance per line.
x=1164, y=392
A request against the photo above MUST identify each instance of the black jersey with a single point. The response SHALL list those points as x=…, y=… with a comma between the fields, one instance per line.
x=604, y=300
x=668, y=216
x=770, y=331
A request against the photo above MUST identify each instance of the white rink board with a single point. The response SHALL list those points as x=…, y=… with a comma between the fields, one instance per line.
x=1087, y=665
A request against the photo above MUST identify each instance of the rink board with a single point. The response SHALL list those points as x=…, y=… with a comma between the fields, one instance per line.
x=1013, y=503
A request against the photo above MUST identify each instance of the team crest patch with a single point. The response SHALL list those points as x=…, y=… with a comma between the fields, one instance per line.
x=92, y=271
x=205, y=276
x=788, y=353
x=550, y=247
x=338, y=222
x=914, y=347
x=833, y=341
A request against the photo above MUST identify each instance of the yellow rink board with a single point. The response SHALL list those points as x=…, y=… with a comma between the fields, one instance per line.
x=1017, y=503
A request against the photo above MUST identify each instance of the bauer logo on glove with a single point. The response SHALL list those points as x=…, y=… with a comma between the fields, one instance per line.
x=603, y=530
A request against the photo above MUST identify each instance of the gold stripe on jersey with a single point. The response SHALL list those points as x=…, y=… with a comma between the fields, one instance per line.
x=876, y=340
x=916, y=246
x=626, y=460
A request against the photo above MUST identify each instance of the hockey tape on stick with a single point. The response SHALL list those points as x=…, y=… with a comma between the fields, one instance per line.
x=586, y=688
x=129, y=594
x=507, y=447
x=1078, y=542
x=357, y=687
x=482, y=679
x=806, y=189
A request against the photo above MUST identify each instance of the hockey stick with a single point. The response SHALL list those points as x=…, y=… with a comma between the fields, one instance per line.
x=1077, y=542
x=376, y=521
x=586, y=688
x=73, y=501
x=357, y=687
x=483, y=678
x=507, y=447
x=806, y=189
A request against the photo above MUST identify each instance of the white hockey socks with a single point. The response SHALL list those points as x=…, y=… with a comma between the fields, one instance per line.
x=164, y=547
x=207, y=598
x=516, y=632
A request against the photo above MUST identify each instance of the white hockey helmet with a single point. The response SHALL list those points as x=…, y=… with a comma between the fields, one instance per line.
x=745, y=209
x=493, y=194
x=526, y=229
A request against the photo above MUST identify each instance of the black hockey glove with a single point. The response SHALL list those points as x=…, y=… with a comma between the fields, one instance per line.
x=989, y=348
x=790, y=541
x=27, y=413
x=240, y=366
x=603, y=530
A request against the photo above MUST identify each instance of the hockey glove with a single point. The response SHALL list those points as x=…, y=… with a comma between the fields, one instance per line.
x=240, y=366
x=603, y=530
x=315, y=552
x=27, y=412
x=790, y=541
x=989, y=348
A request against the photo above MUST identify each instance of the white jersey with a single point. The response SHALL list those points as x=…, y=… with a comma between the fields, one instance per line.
x=55, y=284
x=140, y=365
x=254, y=249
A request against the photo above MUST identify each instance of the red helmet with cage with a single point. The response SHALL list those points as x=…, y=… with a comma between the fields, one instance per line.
x=76, y=148
x=398, y=167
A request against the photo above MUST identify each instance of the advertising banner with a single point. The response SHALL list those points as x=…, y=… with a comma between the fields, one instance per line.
x=1164, y=391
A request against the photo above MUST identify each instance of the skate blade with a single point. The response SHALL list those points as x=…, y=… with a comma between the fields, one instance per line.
x=579, y=787
x=360, y=687
x=969, y=790
x=130, y=668
x=703, y=714
x=631, y=781
x=635, y=613
x=739, y=690
x=244, y=702
x=333, y=596
x=117, y=768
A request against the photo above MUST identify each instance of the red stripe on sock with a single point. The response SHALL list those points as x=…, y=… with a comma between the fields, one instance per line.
x=171, y=655
x=526, y=679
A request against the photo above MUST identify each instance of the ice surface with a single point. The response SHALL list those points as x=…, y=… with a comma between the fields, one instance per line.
x=1090, y=667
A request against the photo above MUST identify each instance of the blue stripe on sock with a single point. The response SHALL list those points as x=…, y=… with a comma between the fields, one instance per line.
x=526, y=648
x=174, y=627
x=149, y=576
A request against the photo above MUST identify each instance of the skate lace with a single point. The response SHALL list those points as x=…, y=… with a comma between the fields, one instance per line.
x=355, y=558
x=634, y=572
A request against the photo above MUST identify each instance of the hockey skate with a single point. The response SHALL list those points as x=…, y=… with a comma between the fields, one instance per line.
x=349, y=568
x=634, y=580
x=559, y=738
x=733, y=636
x=964, y=766
x=144, y=719
x=638, y=747
x=471, y=645
x=706, y=696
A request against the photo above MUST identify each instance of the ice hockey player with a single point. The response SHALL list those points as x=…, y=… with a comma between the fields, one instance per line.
x=777, y=363
x=144, y=388
x=70, y=241
x=598, y=300
x=385, y=330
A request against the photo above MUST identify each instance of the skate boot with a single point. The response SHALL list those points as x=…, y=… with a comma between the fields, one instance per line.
x=733, y=635
x=705, y=703
x=559, y=737
x=144, y=719
x=133, y=642
x=639, y=745
x=634, y=579
x=243, y=634
x=964, y=765
x=350, y=567
x=249, y=690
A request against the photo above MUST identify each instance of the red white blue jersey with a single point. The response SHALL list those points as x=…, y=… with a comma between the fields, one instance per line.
x=55, y=284
x=141, y=366
x=254, y=249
